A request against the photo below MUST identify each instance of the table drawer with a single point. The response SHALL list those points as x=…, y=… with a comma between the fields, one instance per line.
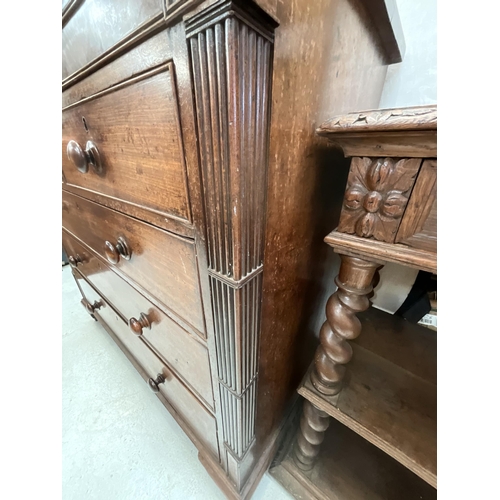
x=418, y=228
x=189, y=408
x=135, y=127
x=184, y=353
x=162, y=264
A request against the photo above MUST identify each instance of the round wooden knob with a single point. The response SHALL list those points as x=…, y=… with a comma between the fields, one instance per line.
x=154, y=383
x=90, y=308
x=83, y=158
x=114, y=252
x=136, y=325
x=74, y=261
x=77, y=156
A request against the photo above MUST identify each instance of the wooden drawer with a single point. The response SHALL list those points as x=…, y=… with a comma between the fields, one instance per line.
x=418, y=227
x=96, y=26
x=162, y=264
x=189, y=408
x=135, y=127
x=183, y=352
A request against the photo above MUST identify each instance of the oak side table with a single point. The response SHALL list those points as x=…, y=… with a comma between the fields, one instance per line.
x=380, y=387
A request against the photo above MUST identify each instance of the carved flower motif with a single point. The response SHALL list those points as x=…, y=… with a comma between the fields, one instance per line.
x=376, y=197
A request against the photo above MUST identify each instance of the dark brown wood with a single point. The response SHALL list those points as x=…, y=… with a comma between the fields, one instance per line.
x=181, y=351
x=178, y=417
x=192, y=411
x=389, y=393
x=387, y=397
x=187, y=94
x=385, y=19
x=399, y=132
x=77, y=156
x=90, y=308
x=419, y=226
x=376, y=196
x=161, y=263
x=306, y=182
x=155, y=382
x=81, y=159
x=313, y=425
x=113, y=252
x=232, y=104
x=382, y=252
x=354, y=285
x=159, y=184
x=349, y=467
x=137, y=325
x=421, y=118
x=75, y=260
x=97, y=26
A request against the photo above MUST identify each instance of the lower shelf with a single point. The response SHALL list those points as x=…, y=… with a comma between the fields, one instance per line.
x=350, y=468
x=389, y=392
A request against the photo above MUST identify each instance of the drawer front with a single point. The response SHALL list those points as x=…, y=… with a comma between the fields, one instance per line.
x=162, y=264
x=182, y=352
x=418, y=227
x=96, y=26
x=192, y=411
x=135, y=127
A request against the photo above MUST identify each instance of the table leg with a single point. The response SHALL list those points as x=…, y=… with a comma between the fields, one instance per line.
x=354, y=285
x=313, y=425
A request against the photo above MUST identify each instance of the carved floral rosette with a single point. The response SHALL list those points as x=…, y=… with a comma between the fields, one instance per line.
x=376, y=196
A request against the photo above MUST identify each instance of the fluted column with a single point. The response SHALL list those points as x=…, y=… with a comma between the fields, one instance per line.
x=354, y=285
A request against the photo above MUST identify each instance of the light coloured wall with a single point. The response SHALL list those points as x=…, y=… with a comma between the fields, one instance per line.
x=413, y=81
x=410, y=83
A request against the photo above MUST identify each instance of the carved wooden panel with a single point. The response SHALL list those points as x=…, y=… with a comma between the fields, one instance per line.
x=230, y=49
x=415, y=118
x=419, y=225
x=376, y=196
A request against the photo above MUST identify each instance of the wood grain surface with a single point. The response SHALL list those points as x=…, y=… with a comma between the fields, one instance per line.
x=162, y=264
x=419, y=225
x=135, y=126
x=349, y=467
x=188, y=407
x=183, y=352
x=376, y=196
x=380, y=251
x=325, y=63
x=96, y=26
x=389, y=397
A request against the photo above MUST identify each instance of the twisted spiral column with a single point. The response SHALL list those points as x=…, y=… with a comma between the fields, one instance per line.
x=313, y=425
x=354, y=285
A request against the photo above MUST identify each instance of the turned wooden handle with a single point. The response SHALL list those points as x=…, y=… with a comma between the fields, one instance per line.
x=82, y=158
x=136, y=325
x=114, y=252
x=90, y=308
x=74, y=261
x=154, y=383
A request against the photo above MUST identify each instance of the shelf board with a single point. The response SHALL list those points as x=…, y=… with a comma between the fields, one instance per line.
x=348, y=467
x=389, y=393
x=380, y=251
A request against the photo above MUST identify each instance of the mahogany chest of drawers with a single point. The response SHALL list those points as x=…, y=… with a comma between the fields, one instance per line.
x=190, y=190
